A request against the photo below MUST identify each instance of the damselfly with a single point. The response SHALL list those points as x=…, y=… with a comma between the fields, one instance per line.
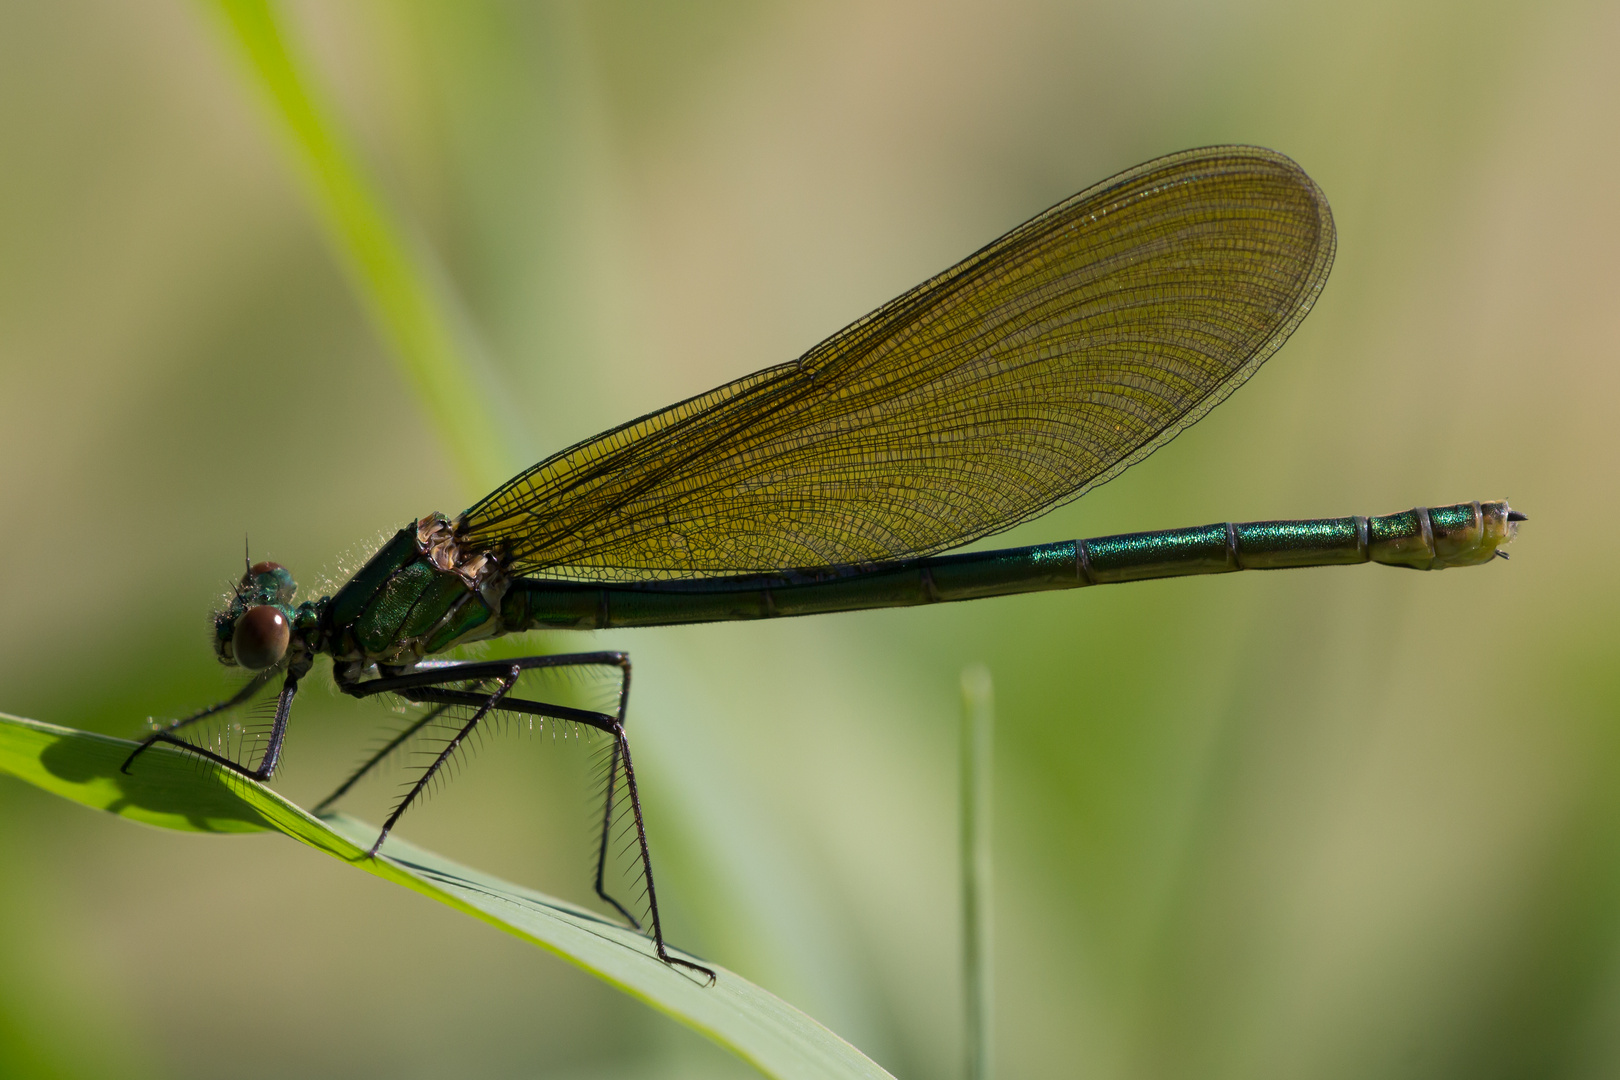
x=1032, y=371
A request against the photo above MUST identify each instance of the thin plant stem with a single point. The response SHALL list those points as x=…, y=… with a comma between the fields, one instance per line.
x=978, y=727
x=398, y=282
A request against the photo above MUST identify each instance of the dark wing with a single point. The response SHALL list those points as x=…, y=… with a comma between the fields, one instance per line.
x=1030, y=372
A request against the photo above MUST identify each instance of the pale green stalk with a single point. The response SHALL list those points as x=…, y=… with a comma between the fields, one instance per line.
x=978, y=727
x=396, y=279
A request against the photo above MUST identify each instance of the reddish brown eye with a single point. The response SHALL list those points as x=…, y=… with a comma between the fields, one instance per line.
x=261, y=637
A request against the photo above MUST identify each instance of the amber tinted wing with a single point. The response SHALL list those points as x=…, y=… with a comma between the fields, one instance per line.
x=1025, y=375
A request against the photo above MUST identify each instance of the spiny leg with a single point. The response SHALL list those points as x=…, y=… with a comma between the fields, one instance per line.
x=599, y=721
x=607, y=833
x=646, y=859
x=505, y=687
x=439, y=673
x=253, y=686
x=381, y=755
x=610, y=792
x=620, y=754
x=272, y=750
x=427, y=686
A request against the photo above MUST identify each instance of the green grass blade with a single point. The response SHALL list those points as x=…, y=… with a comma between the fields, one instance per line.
x=396, y=280
x=977, y=732
x=175, y=790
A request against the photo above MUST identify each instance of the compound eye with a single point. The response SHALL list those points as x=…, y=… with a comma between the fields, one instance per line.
x=261, y=637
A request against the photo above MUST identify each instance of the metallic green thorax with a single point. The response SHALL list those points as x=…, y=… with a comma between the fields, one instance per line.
x=414, y=598
x=419, y=595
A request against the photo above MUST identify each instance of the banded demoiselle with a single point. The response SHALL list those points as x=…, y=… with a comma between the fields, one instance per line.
x=1037, y=368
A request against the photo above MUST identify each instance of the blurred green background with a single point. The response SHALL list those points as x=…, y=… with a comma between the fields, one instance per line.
x=1322, y=823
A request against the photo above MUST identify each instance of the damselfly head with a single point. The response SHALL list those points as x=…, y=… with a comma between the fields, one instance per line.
x=254, y=628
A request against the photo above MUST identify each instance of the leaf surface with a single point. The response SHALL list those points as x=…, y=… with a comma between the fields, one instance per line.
x=174, y=790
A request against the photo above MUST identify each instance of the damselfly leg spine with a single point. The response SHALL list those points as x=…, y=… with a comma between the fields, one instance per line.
x=431, y=686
